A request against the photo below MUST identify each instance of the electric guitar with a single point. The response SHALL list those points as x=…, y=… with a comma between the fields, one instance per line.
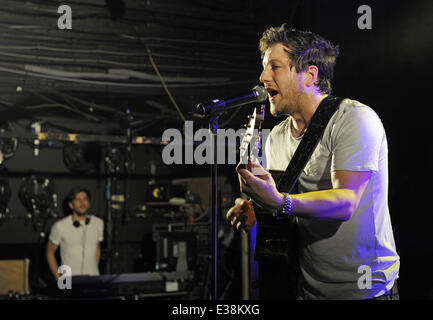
x=276, y=243
x=276, y=240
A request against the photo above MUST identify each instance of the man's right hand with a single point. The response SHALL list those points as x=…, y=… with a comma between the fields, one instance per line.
x=241, y=215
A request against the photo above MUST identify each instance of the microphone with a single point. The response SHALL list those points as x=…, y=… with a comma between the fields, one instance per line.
x=257, y=94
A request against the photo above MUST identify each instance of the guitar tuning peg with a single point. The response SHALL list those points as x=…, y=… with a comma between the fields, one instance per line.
x=246, y=126
x=250, y=116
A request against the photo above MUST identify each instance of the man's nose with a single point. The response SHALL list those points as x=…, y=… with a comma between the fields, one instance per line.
x=264, y=76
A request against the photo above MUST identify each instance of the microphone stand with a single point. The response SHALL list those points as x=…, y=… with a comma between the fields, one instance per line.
x=109, y=218
x=213, y=129
x=213, y=111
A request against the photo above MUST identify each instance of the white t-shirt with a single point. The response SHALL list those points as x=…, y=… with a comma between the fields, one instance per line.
x=78, y=245
x=336, y=257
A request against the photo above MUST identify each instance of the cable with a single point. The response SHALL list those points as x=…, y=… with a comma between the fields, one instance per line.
x=116, y=74
x=65, y=60
x=164, y=85
x=84, y=102
x=119, y=53
x=78, y=60
x=119, y=84
x=77, y=75
x=101, y=107
x=146, y=76
x=87, y=116
x=169, y=67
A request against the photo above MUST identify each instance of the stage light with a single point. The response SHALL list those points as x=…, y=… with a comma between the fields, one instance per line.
x=37, y=195
x=81, y=157
x=8, y=146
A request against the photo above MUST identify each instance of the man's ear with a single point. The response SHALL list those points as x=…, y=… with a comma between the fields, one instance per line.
x=70, y=205
x=311, y=76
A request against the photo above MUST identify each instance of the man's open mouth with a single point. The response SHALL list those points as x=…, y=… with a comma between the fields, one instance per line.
x=272, y=92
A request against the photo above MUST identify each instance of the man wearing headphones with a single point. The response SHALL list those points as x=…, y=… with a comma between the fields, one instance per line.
x=79, y=236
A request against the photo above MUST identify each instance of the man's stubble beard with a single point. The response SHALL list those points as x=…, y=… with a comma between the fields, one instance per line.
x=82, y=214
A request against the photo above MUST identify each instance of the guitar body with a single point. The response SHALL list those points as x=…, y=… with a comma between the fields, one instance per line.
x=276, y=252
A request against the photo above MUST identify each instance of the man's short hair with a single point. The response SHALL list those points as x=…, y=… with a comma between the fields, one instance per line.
x=305, y=49
x=75, y=191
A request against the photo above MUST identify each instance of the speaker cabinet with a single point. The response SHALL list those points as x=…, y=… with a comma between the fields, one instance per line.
x=14, y=276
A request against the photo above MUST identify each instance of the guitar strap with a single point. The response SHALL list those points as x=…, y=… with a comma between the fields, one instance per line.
x=306, y=147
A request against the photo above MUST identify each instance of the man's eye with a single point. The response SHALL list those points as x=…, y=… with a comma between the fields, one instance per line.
x=275, y=67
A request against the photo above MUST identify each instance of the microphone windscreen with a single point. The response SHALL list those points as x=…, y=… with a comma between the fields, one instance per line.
x=262, y=94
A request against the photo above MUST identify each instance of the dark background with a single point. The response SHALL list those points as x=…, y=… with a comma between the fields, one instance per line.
x=215, y=43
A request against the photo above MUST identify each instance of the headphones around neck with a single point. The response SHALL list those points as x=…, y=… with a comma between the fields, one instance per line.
x=77, y=223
